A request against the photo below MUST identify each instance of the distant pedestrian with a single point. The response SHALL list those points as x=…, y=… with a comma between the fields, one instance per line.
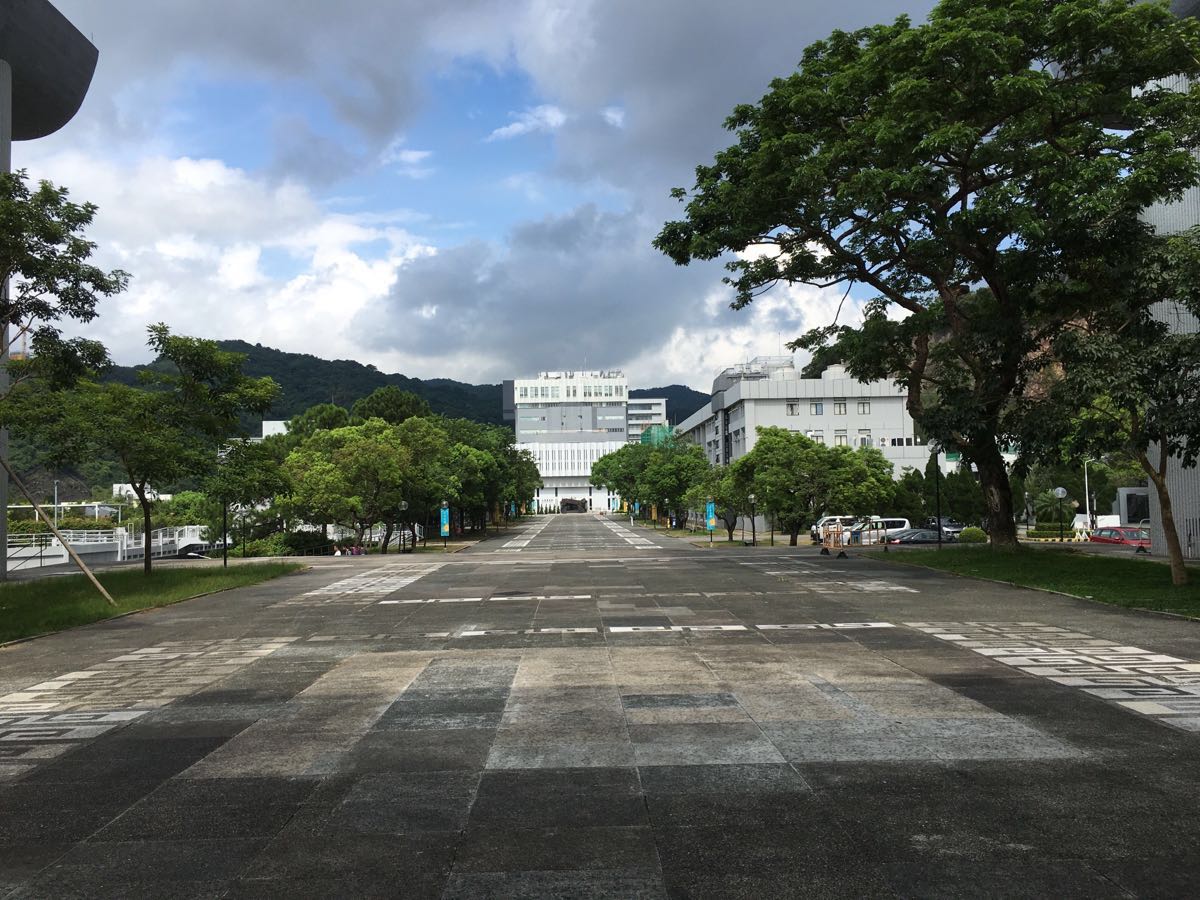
x=337, y=551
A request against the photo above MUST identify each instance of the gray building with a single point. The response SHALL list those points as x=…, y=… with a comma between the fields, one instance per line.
x=834, y=409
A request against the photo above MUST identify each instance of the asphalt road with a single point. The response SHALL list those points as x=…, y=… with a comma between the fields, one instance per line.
x=580, y=708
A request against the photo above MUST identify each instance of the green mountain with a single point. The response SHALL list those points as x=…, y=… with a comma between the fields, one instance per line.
x=682, y=401
x=307, y=380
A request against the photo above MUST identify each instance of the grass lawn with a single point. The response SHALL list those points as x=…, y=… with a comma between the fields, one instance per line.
x=57, y=602
x=1133, y=583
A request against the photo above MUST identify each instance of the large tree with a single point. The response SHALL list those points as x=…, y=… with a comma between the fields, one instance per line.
x=44, y=258
x=1132, y=387
x=390, y=404
x=981, y=175
x=796, y=480
x=352, y=476
x=161, y=433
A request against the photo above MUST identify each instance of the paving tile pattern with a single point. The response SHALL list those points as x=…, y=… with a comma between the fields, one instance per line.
x=584, y=715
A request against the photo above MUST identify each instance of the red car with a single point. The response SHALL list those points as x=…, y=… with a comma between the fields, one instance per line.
x=1126, y=535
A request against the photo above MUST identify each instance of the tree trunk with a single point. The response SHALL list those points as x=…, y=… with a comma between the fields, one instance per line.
x=146, y=537
x=1179, y=573
x=387, y=537
x=793, y=535
x=997, y=494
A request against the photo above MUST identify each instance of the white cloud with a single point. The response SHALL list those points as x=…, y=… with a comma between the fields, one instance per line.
x=539, y=119
x=614, y=116
x=406, y=161
x=217, y=253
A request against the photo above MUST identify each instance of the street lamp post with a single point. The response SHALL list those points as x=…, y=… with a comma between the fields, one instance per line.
x=1060, y=493
x=55, y=502
x=1088, y=510
x=753, y=525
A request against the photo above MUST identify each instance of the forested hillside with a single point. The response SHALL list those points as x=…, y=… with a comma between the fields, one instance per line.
x=308, y=380
x=682, y=401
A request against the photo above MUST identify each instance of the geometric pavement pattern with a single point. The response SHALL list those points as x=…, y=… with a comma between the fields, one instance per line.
x=1142, y=681
x=46, y=719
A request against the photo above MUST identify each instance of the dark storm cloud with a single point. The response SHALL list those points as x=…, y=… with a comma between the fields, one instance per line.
x=584, y=285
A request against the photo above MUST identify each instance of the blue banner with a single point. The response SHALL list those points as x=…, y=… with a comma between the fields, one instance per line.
x=710, y=514
x=445, y=522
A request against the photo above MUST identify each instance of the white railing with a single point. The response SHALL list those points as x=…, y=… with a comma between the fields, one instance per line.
x=400, y=539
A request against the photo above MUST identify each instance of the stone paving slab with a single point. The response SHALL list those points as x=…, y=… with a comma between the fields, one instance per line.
x=581, y=717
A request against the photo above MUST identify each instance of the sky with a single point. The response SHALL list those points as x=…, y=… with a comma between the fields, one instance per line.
x=465, y=189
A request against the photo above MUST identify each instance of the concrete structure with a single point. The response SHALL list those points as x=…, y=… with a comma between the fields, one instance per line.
x=568, y=420
x=644, y=412
x=46, y=67
x=834, y=409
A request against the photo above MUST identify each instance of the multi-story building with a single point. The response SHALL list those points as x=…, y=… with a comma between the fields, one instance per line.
x=834, y=409
x=643, y=413
x=568, y=420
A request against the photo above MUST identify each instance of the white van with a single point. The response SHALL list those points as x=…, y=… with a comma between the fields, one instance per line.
x=878, y=524
x=893, y=526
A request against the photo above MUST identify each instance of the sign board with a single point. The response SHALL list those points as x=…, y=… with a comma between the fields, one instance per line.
x=445, y=531
x=710, y=515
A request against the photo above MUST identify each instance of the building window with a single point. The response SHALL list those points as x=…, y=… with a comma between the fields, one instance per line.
x=839, y=440
x=554, y=392
x=608, y=390
x=793, y=407
x=816, y=409
x=818, y=437
x=524, y=392
x=839, y=407
x=864, y=407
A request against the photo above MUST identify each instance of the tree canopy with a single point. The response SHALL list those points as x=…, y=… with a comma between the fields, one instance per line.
x=969, y=173
x=45, y=259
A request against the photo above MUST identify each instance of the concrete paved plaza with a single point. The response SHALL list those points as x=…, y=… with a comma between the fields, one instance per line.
x=581, y=708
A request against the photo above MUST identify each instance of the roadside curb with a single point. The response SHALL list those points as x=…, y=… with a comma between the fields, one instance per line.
x=1029, y=587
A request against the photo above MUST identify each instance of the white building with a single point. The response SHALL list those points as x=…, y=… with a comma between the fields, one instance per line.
x=568, y=420
x=834, y=409
x=643, y=413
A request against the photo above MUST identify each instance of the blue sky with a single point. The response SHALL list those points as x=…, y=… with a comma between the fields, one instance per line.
x=465, y=190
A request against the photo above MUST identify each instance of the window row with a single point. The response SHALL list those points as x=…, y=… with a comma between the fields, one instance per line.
x=569, y=391
x=817, y=407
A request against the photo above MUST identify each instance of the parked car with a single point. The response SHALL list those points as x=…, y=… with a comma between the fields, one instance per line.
x=825, y=521
x=1126, y=535
x=949, y=526
x=919, y=536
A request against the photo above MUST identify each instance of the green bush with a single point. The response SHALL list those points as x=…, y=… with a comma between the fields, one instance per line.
x=305, y=541
x=973, y=535
x=272, y=545
x=65, y=523
x=1067, y=532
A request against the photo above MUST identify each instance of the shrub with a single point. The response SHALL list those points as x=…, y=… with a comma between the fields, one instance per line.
x=1068, y=532
x=973, y=535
